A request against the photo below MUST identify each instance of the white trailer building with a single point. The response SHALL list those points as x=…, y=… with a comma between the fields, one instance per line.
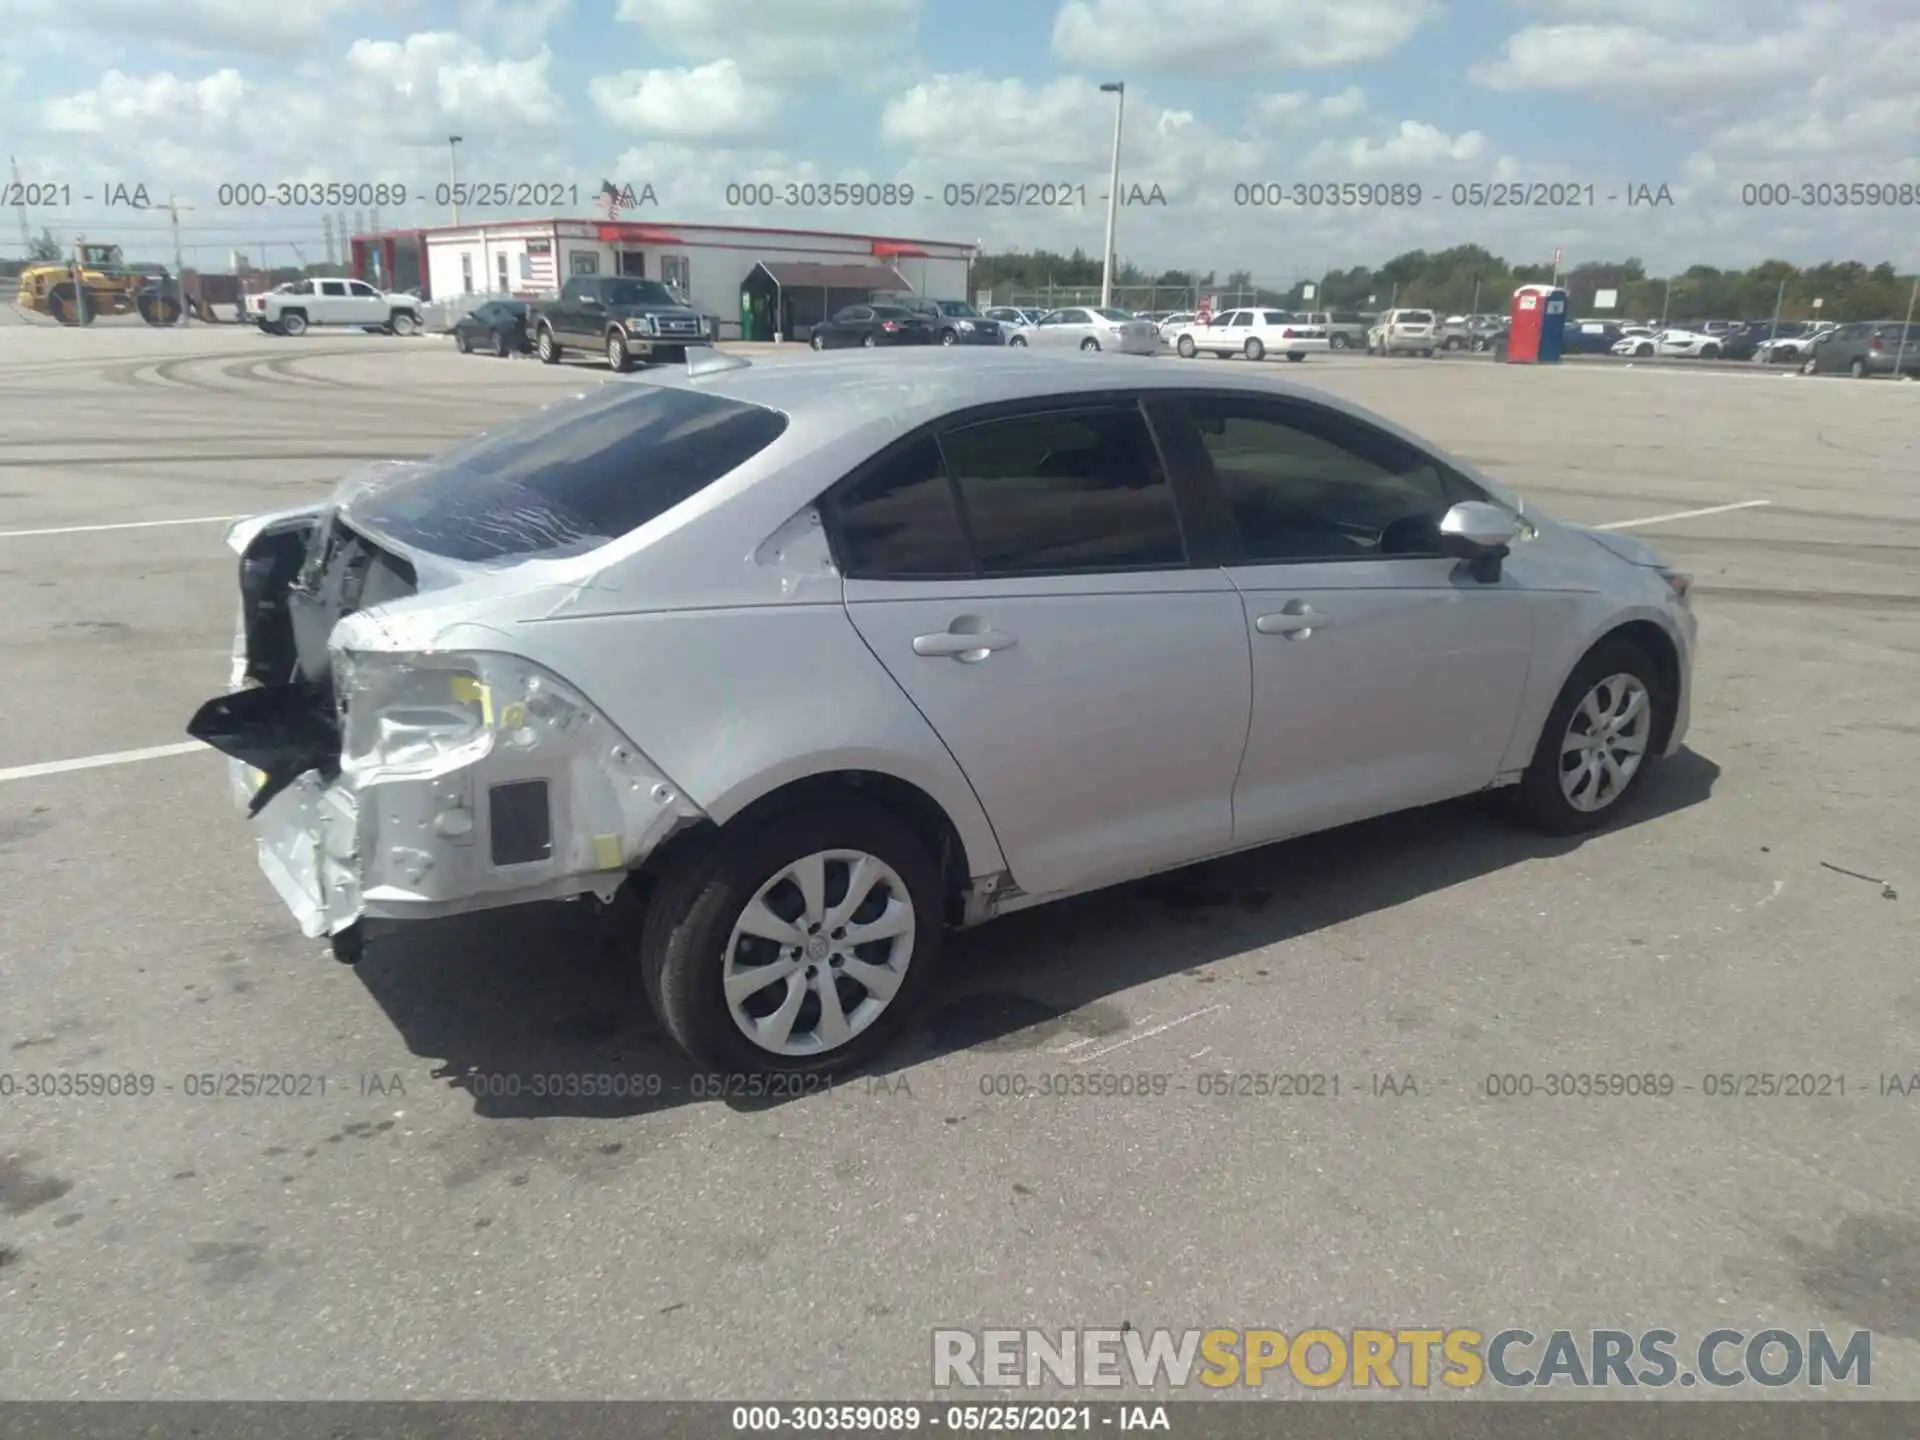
x=760, y=283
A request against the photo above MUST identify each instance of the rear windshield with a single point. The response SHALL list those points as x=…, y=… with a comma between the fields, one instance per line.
x=893, y=312
x=957, y=307
x=571, y=477
x=1113, y=315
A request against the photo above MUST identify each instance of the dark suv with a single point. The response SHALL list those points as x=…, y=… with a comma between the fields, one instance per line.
x=955, y=322
x=622, y=317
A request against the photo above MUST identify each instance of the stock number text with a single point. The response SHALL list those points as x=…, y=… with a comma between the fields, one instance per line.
x=1271, y=194
x=1583, y=1084
x=299, y=193
x=1838, y=193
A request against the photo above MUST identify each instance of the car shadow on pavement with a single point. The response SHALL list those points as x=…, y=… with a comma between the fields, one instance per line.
x=537, y=1011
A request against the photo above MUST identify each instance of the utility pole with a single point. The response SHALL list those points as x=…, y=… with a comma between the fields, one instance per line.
x=26, y=227
x=1117, y=89
x=453, y=174
x=1900, y=355
x=174, y=207
x=1665, y=301
x=80, y=279
x=326, y=235
x=1779, y=299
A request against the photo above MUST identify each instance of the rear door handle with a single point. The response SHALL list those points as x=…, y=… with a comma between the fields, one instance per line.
x=967, y=648
x=1295, y=620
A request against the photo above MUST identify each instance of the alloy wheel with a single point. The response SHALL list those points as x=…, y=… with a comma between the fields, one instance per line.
x=819, y=952
x=1605, y=742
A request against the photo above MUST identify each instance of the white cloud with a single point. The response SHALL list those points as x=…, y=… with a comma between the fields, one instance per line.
x=131, y=105
x=710, y=101
x=1212, y=37
x=516, y=26
x=1344, y=105
x=437, y=77
x=788, y=42
x=1402, y=152
x=237, y=26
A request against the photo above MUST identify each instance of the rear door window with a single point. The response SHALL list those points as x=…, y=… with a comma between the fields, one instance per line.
x=572, y=477
x=900, y=520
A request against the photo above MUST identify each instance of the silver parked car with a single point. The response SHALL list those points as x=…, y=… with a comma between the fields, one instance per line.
x=816, y=662
x=1091, y=329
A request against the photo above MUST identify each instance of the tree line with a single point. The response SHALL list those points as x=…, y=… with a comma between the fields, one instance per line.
x=1469, y=277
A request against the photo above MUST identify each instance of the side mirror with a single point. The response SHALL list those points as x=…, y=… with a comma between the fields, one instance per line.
x=1481, y=534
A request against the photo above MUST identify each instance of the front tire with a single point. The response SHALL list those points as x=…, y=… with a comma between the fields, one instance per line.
x=1858, y=369
x=867, y=342
x=1709, y=352
x=546, y=347
x=500, y=347
x=817, y=342
x=1296, y=356
x=460, y=343
x=1599, y=738
x=1338, y=342
x=1644, y=352
x=403, y=322
x=1187, y=348
x=1019, y=342
x=949, y=337
x=1089, y=344
x=619, y=358
x=1255, y=350
x=749, y=954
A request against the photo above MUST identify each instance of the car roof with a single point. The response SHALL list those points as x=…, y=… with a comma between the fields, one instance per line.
x=915, y=386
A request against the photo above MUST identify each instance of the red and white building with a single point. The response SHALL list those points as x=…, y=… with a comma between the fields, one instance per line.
x=758, y=281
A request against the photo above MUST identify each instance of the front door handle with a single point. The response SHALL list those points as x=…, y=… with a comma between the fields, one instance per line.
x=968, y=647
x=1296, y=620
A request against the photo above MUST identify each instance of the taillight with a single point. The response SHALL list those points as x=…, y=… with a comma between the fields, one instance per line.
x=888, y=325
x=1874, y=344
x=1286, y=334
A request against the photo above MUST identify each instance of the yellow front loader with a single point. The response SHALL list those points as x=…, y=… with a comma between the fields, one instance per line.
x=106, y=285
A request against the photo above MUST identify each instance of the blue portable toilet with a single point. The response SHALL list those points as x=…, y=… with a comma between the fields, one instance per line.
x=1537, y=333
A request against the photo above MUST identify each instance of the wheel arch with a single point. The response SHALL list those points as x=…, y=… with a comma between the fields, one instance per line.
x=1643, y=632
x=915, y=806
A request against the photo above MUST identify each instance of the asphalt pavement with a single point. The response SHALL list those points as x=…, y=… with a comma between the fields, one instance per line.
x=404, y=1216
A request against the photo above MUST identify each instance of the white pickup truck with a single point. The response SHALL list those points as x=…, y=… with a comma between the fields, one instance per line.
x=295, y=308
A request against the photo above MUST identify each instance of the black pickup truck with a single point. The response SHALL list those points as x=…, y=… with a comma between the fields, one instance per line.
x=622, y=317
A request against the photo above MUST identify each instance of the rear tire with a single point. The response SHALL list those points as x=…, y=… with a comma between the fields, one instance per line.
x=1186, y=347
x=293, y=323
x=1296, y=356
x=501, y=349
x=1018, y=342
x=1709, y=352
x=460, y=343
x=1541, y=798
x=1255, y=350
x=1338, y=342
x=1089, y=344
x=688, y=937
x=64, y=304
x=158, y=308
x=816, y=342
x=1858, y=369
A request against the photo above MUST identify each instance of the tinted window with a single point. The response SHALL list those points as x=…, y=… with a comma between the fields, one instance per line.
x=1277, y=317
x=333, y=287
x=1306, y=484
x=1417, y=317
x=900, y=520
x=638, y=292
x=1070, y=490
x=570, y=478
x=957, y=307
x=855, y=312
x=892, y=312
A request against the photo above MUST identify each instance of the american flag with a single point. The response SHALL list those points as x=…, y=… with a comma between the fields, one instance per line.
x=610, y=199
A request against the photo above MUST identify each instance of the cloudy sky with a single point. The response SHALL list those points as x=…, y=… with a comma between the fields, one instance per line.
x=1705, y=97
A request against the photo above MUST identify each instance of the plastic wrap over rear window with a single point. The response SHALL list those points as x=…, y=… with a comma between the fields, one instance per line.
x=571, y=477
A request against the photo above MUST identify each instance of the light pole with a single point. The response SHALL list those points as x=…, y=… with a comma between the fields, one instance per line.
x=1117, y=89
x=174, y=207
x=453, y=174
x=1900, y=354
x=1779, y=299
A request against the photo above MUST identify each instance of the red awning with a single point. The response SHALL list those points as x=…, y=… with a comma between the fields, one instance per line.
x=638, y=235
x=894, y=248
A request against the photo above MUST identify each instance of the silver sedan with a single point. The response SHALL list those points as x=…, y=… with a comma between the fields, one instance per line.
x=1057, y=626
x=1092, y=329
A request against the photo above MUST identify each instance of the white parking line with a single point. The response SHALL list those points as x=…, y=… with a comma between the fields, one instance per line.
x=124, y=525
x=1681, y=515
x=95, y=762
x=1135, y=1039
